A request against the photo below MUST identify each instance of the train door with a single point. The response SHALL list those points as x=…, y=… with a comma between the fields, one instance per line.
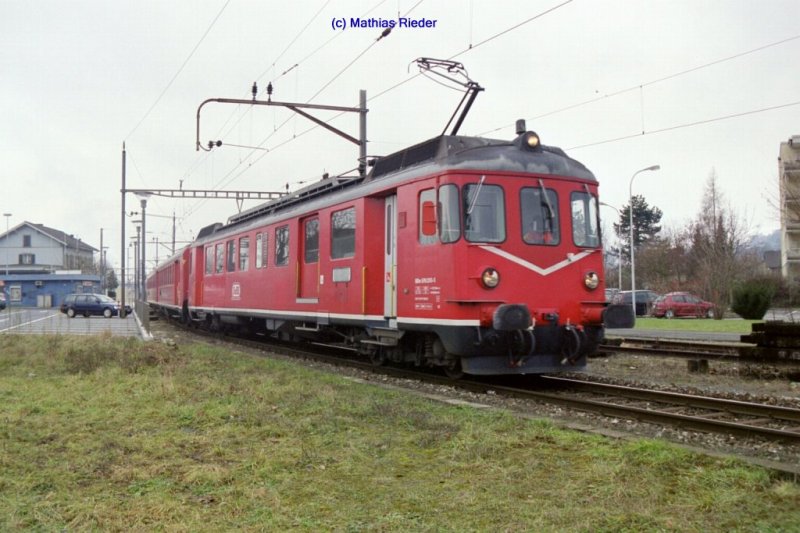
x=176, y=281
x=308, y=268
x=390, y=258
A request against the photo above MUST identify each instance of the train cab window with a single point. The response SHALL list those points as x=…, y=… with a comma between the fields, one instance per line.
x=220, y=252
x=209, y=259
x=484, y=213
x=231, y=255
x=539, y=216
x=585, y=225
x=311, y=242
x=282, y=246
x=244, y=253
x=448, y=214
x=427, y=217
x=343, y=233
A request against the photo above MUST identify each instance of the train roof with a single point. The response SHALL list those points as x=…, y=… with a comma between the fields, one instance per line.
x=446, y=152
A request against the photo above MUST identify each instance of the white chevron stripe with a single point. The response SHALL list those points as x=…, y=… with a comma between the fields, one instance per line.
x=539, y=270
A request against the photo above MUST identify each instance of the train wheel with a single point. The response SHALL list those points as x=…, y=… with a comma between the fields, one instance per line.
x=377, y=356
x=453, y=369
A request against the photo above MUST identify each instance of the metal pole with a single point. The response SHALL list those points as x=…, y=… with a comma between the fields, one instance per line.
x=630, y=222
x=144, y=249
x=102, y=265
x=362, y=132
x=136, y=269
x=122, y=238
x=8, y=216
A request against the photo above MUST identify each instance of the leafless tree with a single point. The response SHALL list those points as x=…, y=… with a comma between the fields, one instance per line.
x=718, y=237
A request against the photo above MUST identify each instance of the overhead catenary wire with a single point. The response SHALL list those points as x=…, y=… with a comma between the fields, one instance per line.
x=178, y=72
x=640, y=86
x=686, y=125
x=230, y=177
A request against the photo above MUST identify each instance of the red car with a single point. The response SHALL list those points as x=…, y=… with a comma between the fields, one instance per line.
x=675, y=304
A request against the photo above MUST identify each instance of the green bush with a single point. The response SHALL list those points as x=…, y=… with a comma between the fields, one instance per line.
x=752, y=298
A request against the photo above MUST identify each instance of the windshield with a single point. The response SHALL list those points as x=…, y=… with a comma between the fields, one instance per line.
x=484, y=213
x=539, y=213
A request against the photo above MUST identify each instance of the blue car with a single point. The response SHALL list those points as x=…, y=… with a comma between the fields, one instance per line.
x=89, y=304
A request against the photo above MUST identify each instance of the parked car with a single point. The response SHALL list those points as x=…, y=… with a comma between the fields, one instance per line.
x=89, y=304
x=2, y=301
x=610, y=293
x=644, y=300
x=675, y=304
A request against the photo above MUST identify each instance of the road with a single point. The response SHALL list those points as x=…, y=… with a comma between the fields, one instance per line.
x=51, y=321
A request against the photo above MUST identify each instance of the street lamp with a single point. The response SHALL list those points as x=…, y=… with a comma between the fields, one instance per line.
x=143, y=198
x=619, y=251
x=630, y=221
x=7, y=215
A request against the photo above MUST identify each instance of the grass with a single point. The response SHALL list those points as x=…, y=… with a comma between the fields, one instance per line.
x=696, y=324
x=101, y=433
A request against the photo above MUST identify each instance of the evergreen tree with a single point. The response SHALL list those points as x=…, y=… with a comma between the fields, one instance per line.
x=645, y=224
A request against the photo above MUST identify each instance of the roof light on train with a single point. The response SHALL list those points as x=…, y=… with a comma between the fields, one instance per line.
x=591, y=280
x=531, y=139
x=490, y=278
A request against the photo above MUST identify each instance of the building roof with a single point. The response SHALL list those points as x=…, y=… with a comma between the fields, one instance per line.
x=67, y=240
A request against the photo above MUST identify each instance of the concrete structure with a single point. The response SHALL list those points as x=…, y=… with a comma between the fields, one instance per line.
x=29, y=248
x=45, y=290
x=789, y=177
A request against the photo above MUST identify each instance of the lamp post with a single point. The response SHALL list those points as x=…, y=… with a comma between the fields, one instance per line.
x=7, y=215
x=143, y=247
x=630, y=221
x=619, y=251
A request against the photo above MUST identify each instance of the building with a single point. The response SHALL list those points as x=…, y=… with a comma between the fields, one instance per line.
x=39, y=266
x=46, y=290
x=29, y=248
x=789, y=179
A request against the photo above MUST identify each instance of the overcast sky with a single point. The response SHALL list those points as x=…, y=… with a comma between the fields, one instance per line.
x=79, y=78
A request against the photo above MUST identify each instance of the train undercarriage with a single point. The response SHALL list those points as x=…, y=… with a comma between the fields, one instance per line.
x=457, y=350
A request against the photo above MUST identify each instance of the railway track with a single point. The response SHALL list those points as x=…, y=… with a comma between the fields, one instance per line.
x=745, y=353
x=697, y=413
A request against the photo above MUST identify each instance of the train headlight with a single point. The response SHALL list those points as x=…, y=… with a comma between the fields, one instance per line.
x=490, y=278
x=532, y=140
x=591, y=280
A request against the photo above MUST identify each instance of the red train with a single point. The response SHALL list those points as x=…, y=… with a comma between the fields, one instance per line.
x=476, y=255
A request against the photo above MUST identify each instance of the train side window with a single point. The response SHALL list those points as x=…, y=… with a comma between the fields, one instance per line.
x=427, y=217
x=448, y=215
x=282, y=246
x=231, y=255
x=539, y=216
x=244, y=253
x=484, y=213
x=259, y=251
x=209, y=259
x=220, y=251
x=311, y=243
x=343, y=233
x=585, y=225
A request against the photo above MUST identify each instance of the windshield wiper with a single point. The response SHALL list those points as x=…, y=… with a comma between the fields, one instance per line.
x=477, y=193
x=547, y=204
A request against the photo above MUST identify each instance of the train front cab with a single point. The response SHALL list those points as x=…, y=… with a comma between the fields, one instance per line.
x=505, y=270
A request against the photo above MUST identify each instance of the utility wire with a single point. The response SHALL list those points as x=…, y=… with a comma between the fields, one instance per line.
x=185, y=62
x=686, y=125
x=652, y=82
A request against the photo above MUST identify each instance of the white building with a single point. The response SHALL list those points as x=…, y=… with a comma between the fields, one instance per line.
x=789, y=176
x=29, y=248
